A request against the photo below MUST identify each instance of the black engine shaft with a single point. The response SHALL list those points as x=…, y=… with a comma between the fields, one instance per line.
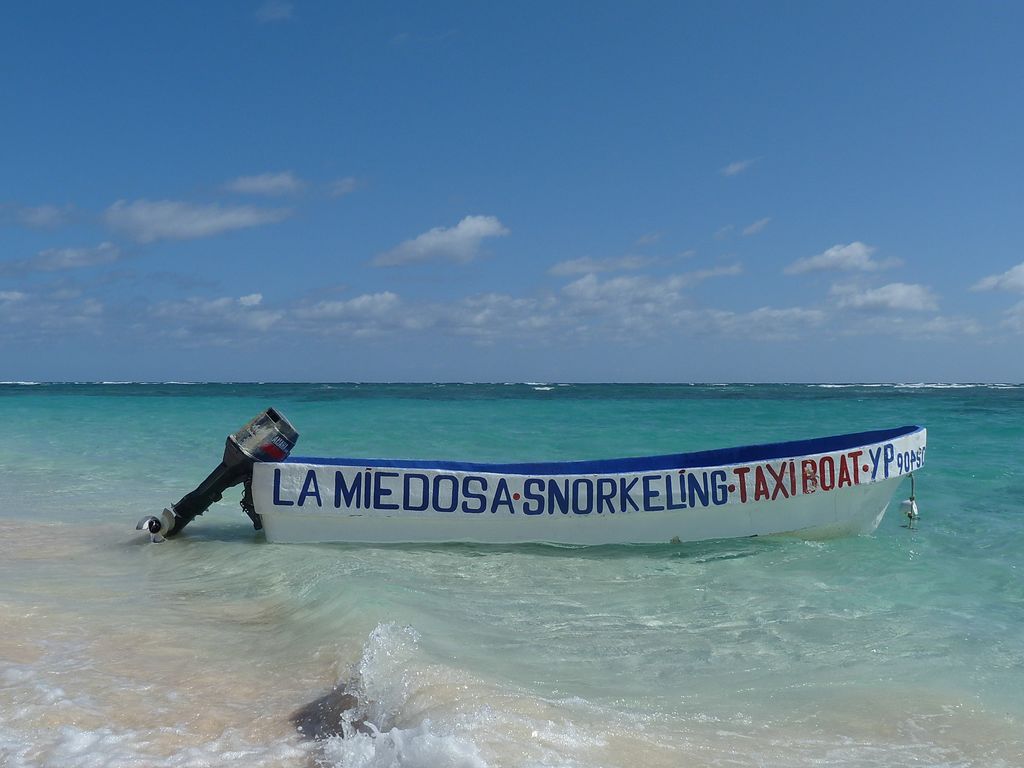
x=268, y=437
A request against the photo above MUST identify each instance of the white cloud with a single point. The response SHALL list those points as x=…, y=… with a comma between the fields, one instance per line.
x=493, y=315
x=764, y=323
x=853, y=257
x=42, y=216
x=341, y=187
x=940, y=327
x=377, y=305
x=38, y=316
x=268, y=184
x=1010, y=280
x=620, y=307
x=648, y=239
x=365, y=316
x=215, y=319
x=274, y=10
x=147, y=221
x=934, y=328
x=1015, y=318
x=704, y=274
x=631, y=304
x=894, y=296
x=56, y=259
x=586, y=265
x=627, y=292
x=640, y=290
x=631, y=307
x=460, y=243
x=736, y=167
x=484, y=318
x=61, y=259
x=757, y=226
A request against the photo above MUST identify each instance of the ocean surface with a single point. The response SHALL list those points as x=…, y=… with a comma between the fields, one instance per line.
x=902, y=648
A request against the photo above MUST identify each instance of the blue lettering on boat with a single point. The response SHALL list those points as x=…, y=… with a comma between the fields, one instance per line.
x=502, y=497
x=582, y=489
x=875, y=454
x=418, y=501
x=310, y=487
x=719, y=487
x=908, y=461
x=424, y=491
x=351, y=493
x=278, y=501
x=533, y=503
x=605, y=494
x=452, y=494
x=380, y=491
x=625, y=491
x=477, y=496
x=890, y=454
x=651, y=494
x=558, y=493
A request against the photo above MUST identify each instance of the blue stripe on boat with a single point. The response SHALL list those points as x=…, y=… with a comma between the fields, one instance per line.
x=745, y=454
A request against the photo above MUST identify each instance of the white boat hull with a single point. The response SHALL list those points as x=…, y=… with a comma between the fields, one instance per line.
x=783, y=488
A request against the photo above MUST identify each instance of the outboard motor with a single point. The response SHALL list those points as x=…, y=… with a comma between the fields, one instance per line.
x=268, y=437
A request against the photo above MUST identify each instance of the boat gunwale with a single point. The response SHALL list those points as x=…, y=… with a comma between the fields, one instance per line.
x=715, y=457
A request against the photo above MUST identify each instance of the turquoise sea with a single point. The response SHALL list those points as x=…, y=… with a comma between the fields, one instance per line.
x=902, y=648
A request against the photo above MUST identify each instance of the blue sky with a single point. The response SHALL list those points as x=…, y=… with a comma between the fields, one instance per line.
x=591, y=191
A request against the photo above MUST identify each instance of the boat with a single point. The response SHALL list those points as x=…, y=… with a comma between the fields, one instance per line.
x=815, y=488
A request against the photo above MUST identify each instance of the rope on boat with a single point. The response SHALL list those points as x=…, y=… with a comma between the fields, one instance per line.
x=909, y=506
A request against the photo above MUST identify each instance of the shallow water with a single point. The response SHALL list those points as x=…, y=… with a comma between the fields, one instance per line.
x=899, y=648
